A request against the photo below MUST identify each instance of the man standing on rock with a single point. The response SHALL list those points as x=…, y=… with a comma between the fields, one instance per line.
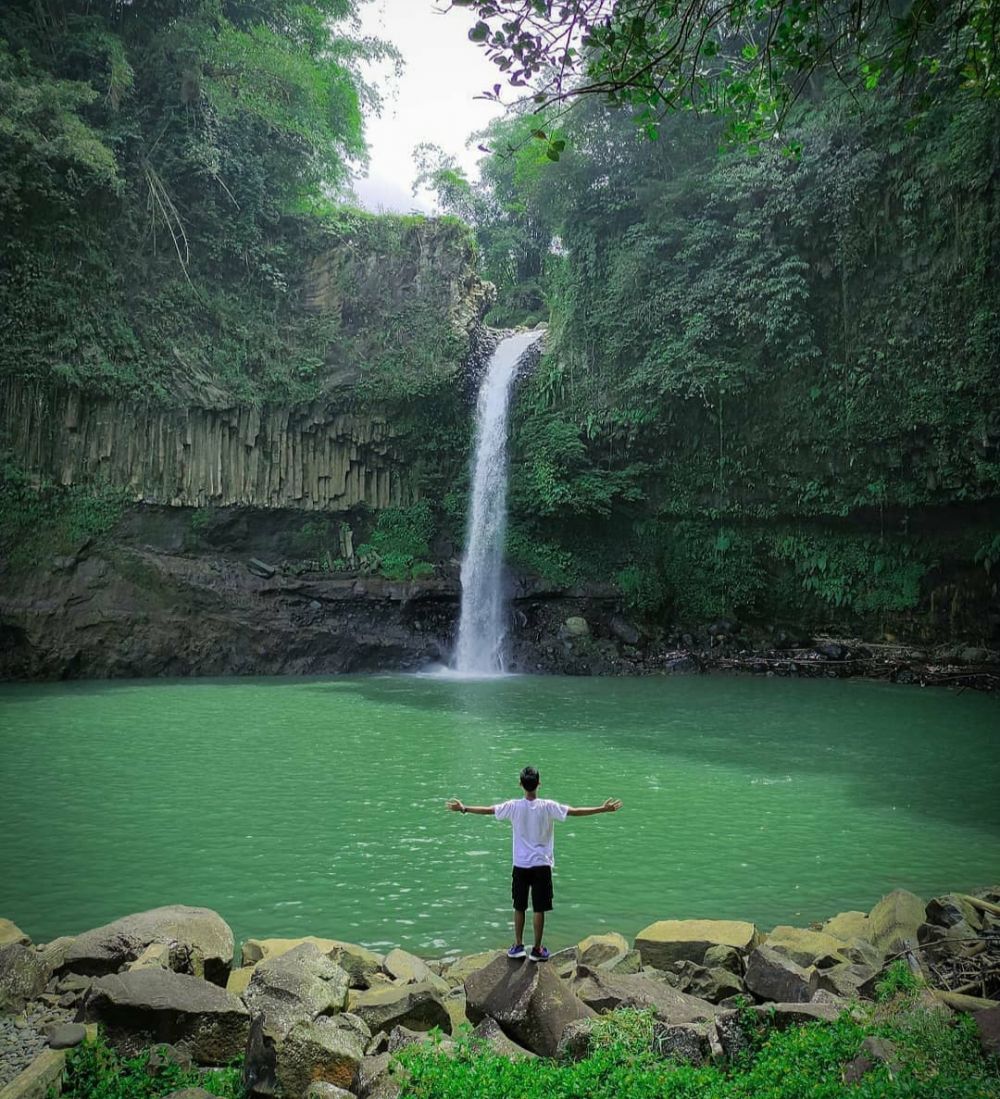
x=533, y=819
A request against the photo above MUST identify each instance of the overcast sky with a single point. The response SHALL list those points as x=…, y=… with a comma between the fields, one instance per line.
x=434, y=99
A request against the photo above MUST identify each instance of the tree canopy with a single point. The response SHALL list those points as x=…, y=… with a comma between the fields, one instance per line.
x=747, y=60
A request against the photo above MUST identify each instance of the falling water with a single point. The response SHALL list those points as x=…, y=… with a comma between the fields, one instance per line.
x=481, y=628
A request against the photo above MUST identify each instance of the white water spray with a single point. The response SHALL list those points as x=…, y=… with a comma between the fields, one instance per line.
x=482, y=628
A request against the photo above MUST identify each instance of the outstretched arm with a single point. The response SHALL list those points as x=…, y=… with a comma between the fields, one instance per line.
x=457, y=807
x=612, y=805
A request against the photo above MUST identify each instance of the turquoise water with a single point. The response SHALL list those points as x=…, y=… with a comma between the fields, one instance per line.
x=297, y=806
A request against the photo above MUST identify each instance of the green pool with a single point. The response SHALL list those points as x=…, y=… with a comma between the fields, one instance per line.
x=296, y=806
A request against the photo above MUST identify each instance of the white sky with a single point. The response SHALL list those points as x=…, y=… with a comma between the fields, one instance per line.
x=434, y=99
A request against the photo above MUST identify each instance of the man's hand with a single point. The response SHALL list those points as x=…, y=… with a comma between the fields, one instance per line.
x=612, y=805
x=455, y=805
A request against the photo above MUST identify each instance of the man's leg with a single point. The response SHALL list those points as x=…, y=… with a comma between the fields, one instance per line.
x=519, y=926
x=538, y=918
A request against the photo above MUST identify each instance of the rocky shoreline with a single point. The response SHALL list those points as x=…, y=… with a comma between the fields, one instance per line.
x=317, y=1017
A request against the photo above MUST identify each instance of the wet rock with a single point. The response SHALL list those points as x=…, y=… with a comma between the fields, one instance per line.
x=669, y=941
x=201, y=943
x=893, y=922
x=772, y=976
x=144, y=1006
x=294, y=987
x=417, y=1006
x=531, y=1004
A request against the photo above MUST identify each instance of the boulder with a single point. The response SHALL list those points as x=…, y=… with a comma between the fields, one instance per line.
x=145, y=1006
x=201, y=943
x=595, y=950
x=23, y=975
x=460, y=969
x=951, y=909
x=848, y=925
x=574, y=1045
x=417, y=1006
x=239, y=979
x=65, y=1035
x=490, y=1033
x=11, y=933
x=53, y=954
x=724, y=957
x=624, y=630
x=575, y=627
x=295, y=987
x=323, y=1049
x=894, y=921
x=155, y=956
x=793, y=1014
x=669, y=941
x=772, y=976
x=939, y=943
x=531, y=1004
x=360, y=963
x=260, y=1062
x=375, y=1078
x=847, y=979
x=630, y=962
x=409, y=969
x=712, y=984
x=602, y=991
x=682, y=1041
x=808, y=948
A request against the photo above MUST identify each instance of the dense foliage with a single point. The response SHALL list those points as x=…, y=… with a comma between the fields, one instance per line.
x=765, y=372
x=95, y=1071
x=155, y=161
x=744, y=60
x=934, y=1060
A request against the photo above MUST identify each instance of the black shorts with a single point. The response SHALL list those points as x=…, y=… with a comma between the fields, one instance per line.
x=536, y=878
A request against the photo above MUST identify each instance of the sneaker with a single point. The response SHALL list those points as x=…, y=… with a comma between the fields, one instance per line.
x=516, y=951
x=538, y=954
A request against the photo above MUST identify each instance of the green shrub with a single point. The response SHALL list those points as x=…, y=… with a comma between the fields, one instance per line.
x=95, y=1071
x=400, y=542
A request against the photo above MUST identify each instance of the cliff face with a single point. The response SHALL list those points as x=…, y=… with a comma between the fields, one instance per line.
x=314, y=456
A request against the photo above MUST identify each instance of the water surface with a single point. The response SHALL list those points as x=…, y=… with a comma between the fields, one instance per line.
x=297, y=806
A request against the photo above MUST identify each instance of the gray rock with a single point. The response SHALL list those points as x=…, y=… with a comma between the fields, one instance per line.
x=952, y=908
x=630, y=962
x=598, y=950
x=417, y=1006
x=490, y=1033
x=320, y=1089
x=575, y=628
x=409, y=969
x=604, y=992
x=65, y=1035
x=574, y=1044
x=624, y=630
x=772, y=976
x=724, y=957
x=713, y=984
x=190, y=1093
x=374, y=1078
x=846, y=980
x=201, y=943
x=295, y=987
x=23, y=975
x=669, y=941
x=531, y=1004
x=11, y=933
x=144, y=1006
x=988, y=1030
x=682, y=1041
x=164, y=1055
x=894, y=921
x=321, y=1049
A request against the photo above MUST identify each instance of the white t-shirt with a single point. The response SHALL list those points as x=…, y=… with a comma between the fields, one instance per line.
x=534, y=826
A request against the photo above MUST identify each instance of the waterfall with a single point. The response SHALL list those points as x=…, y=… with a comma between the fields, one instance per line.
x=481, y=628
